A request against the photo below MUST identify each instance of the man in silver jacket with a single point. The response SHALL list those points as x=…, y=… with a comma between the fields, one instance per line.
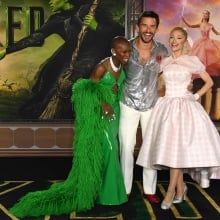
x=138, y=98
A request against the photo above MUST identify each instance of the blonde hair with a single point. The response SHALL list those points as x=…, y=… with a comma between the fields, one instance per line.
x=180, y=29
x=206, y=11
x=186, y=48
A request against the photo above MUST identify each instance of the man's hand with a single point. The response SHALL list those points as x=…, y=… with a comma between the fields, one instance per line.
x=161, y=88
x=90, y=21
x=190, y=86
x=2, y=53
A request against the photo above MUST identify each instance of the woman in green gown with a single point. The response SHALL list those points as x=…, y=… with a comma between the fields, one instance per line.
x=95, y=176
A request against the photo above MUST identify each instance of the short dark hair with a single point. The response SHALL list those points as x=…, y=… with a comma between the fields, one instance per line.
x=119, y=40
x=147, y=14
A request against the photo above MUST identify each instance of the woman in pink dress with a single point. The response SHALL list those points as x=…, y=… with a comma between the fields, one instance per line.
x=207, y=49
x=181, y=135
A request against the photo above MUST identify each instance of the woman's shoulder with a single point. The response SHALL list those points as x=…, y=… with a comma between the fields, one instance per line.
x=166, y=59
x=104, y=63
x=193, y=62
x=190, y=57
x=211, y=25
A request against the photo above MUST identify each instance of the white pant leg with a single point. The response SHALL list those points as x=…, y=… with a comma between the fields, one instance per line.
x=129, y=120
x=149, y=175
x=205, y=182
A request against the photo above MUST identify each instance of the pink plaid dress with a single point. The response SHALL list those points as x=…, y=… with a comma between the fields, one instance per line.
x=180, y=134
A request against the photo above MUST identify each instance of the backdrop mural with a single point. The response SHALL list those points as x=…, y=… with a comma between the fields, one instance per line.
x=43, y=51
x=206, y=40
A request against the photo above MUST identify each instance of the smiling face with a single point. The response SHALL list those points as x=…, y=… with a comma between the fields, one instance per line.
x=147, y=29
x=177, y=39
x=206, y=15
x=122, y=52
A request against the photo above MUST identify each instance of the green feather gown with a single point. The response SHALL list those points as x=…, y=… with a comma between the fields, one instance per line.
x=95, y=176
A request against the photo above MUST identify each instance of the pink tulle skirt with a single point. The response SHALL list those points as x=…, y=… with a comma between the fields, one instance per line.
x=208, y=51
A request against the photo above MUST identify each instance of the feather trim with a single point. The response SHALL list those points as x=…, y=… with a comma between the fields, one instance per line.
x=81, y=188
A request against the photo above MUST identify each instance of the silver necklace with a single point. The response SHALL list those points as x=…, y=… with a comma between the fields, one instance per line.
x=115, y=68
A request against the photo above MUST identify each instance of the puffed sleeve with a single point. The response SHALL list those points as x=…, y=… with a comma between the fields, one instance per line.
x=197, y=66
x=164, y=62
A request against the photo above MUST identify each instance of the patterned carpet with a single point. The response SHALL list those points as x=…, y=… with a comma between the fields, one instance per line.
x=200, y=203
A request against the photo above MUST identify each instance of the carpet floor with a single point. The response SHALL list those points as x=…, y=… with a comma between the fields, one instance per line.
x=200, y=203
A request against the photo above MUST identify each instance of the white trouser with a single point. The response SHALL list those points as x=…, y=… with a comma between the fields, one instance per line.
x=129, y=120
